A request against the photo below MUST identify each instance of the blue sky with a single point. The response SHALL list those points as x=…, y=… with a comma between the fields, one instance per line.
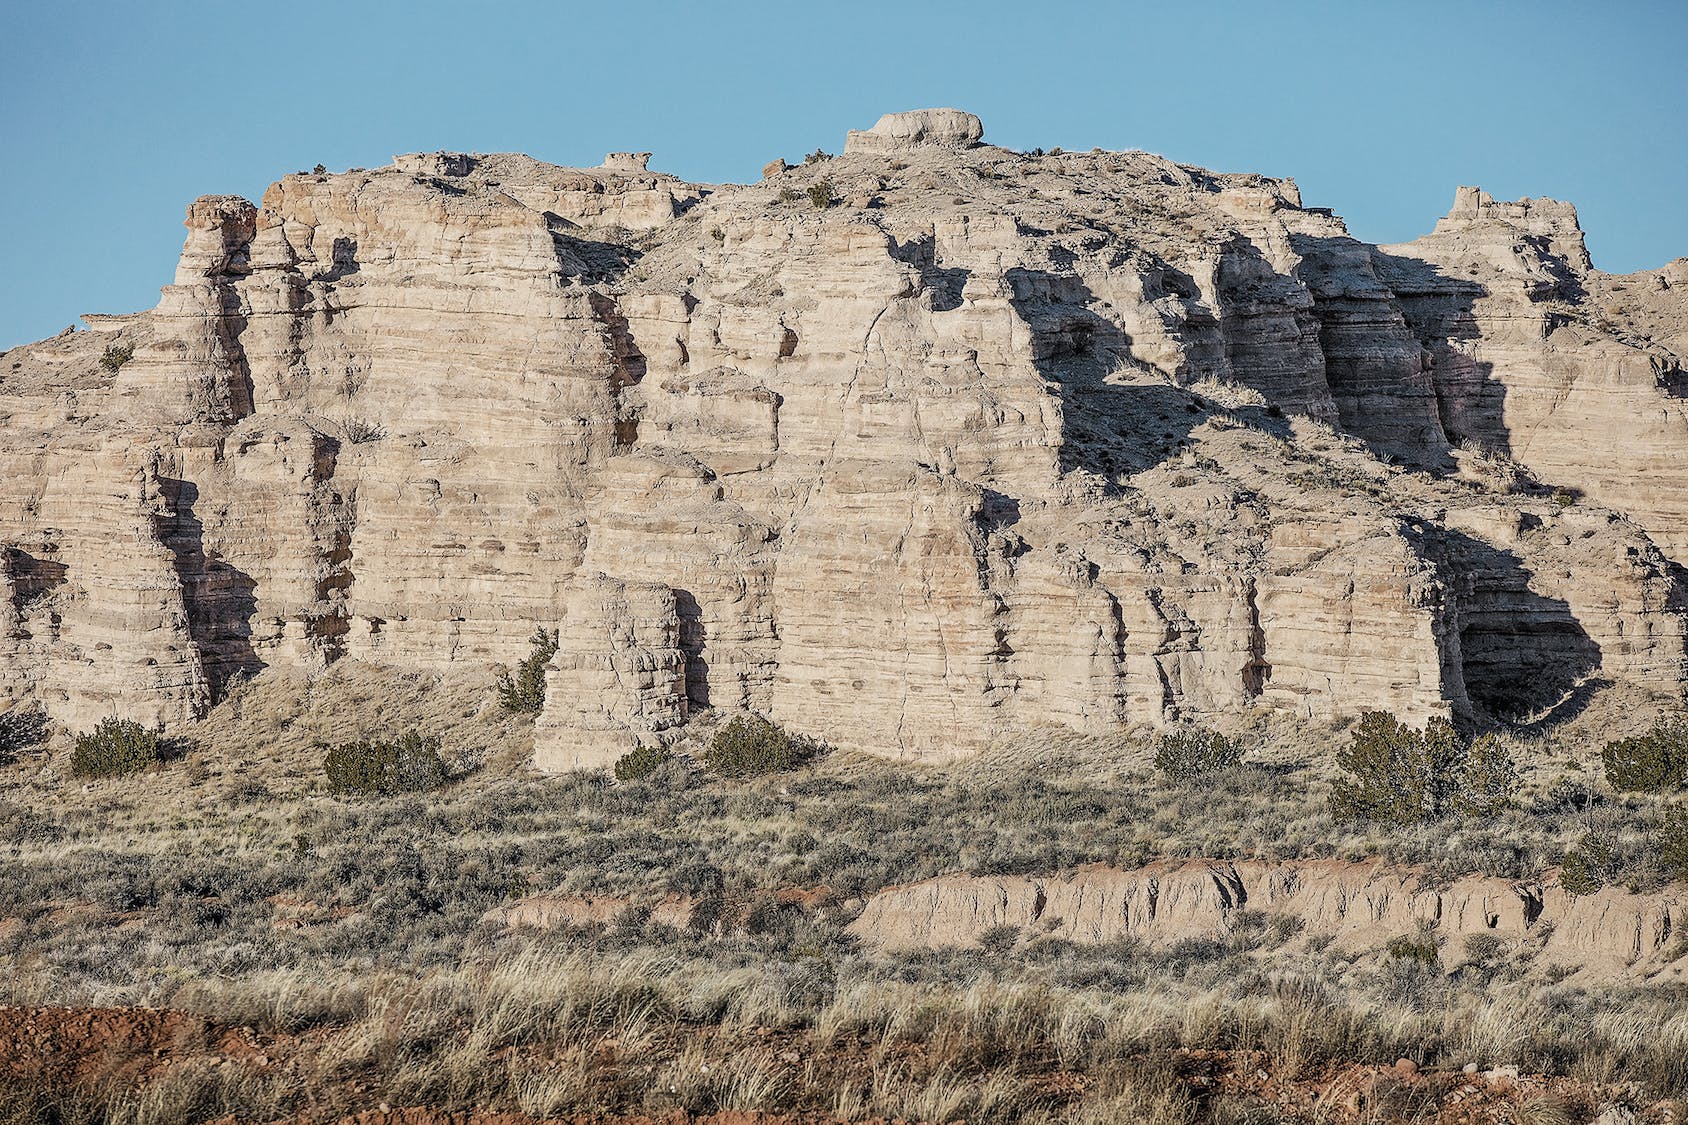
x=114, y=115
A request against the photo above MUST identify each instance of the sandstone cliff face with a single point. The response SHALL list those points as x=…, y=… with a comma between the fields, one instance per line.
x=992, y=442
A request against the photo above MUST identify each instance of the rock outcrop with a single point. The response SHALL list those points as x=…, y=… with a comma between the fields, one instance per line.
x=900, y=132
x=998, y=441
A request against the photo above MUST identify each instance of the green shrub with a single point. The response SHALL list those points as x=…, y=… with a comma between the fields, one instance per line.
x=525, y=689
x=820, y=194
x=19, y=730
x=751, y=745
x=1672, y=842
x=409, y=764
x=1590, y=865
x=116, y=746
x=641, y=763
x=116, y=356
x=1421, y=949
x=1399, y=775
x=1655, y=762
x=1488, y=779
x=1195, y=752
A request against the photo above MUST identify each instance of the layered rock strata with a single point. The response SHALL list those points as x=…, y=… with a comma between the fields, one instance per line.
x=989, y=442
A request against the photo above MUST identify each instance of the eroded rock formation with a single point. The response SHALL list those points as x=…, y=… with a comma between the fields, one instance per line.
x=990, y=442
x=1358, y=906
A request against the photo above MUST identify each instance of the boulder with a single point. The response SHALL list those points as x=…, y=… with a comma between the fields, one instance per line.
x=901, y=132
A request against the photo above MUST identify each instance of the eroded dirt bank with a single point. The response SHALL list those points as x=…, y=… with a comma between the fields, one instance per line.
x=1362, y=906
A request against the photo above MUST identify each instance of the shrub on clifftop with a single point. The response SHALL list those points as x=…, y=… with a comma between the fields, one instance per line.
x=116, y=356
x=524, y=690
x=116, y=746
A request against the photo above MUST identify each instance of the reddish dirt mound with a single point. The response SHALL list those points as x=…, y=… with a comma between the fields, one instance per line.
x=60, y=1045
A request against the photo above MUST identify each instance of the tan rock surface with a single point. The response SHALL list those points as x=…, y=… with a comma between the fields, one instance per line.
x=1362, y=906
x=1009, y=441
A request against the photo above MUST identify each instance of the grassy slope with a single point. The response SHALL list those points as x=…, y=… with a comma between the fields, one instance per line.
x=230, y=884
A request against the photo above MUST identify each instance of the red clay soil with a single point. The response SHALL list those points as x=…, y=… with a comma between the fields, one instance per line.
x=44, y=1048
x=67, y=1045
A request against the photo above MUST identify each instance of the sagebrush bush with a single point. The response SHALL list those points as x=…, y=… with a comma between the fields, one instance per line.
x=750, y=745
x=116, y=746
x=1400, y=775
x=1655, y=762
x=524, y=690
x=639, y=764
x=1195, y=752
x=820, y=194
x=410, y=763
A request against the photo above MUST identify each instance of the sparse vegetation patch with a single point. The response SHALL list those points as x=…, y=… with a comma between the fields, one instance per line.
x=1654, y=762
x=641, y=763
x=116, y=356
x=1192, y=753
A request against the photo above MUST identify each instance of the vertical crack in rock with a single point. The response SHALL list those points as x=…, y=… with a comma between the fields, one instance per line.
x=220, y=599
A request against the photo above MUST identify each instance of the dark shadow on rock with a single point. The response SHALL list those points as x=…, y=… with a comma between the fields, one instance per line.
x=1439, y=309
x=1412, y=408
x=220, y=599
x=587, y=260
x=33, y=579
x=943, y=283
x=1108, y=428
x=999, y=510
x=1574, y=703
x=630, y=362
x=693, y=640
x=343, y=260
x=1521, y=652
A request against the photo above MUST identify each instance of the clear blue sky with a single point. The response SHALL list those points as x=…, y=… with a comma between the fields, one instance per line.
x=113, y=115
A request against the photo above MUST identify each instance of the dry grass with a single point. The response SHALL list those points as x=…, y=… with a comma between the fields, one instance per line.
x=229, y=884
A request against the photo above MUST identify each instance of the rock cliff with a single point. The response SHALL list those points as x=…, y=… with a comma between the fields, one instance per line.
x=909, y=448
